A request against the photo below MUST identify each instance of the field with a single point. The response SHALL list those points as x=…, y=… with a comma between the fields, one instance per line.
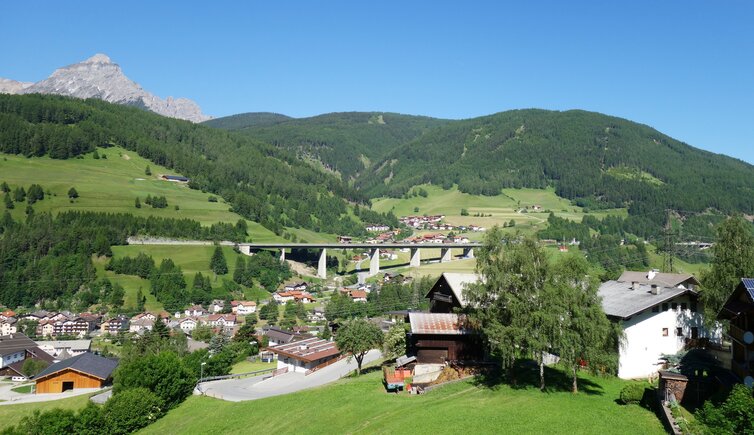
x=492, y=210
x=12, y=414
x=361, y=405
x=111, y=185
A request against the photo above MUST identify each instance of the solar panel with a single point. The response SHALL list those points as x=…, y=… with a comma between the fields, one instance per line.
x=749, y=284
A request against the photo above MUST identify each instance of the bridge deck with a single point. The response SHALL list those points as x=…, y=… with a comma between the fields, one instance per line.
x=359, y=245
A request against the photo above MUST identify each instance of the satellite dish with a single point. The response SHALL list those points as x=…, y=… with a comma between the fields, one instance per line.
x=749, y=381
x=748, y=337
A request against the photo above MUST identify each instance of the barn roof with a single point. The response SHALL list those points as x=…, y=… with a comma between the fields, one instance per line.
x=17, y=342
x=308, y=350
x=734, y=306
x=619, y=300
x=658, y=278
x=89, y=363
x=457, y=283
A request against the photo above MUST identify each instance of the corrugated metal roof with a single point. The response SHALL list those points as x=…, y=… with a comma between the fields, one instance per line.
x=89, y=363
x=618, y=300
x=437, y=323
x=308, y=350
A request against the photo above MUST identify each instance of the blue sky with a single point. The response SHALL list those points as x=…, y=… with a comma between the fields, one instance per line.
x=683, y=67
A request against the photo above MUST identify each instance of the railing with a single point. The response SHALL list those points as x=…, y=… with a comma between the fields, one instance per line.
x=323, y=365
x=240, y=375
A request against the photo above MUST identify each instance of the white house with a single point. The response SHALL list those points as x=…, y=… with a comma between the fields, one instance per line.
x=657, y=318
x=72, y=347
x=221, y=320
x=305, y=355
x=187, y=325
x=195, y=311
x=141, y=325
x=243, y=308
x=8, y=326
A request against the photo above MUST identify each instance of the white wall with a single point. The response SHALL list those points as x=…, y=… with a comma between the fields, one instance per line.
x=644, y=341
x=10, y=359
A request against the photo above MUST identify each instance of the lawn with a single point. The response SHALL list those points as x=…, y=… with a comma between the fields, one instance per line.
x=23, y=389
x=360, y=405
x=12, y=414
x=112, y=185
x=249, y=366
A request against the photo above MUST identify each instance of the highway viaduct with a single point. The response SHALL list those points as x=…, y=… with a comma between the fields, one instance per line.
x=374, y=251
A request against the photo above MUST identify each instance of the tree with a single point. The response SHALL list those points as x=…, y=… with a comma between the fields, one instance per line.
x=163, y=373
x=131, y=410
x=141, y=300
x=19, y=194
x=147, y=171
x=733, y=259
x=137, y=203
x=357, y=337
x=202, y=333
x=509, y=299
x=269, y=312
x=72, y=193
x=160, y=329
x=217, y=343
x=4, y=187
x=395, y=342
x=218, y=263
x=246, y=332
x=33, y=366
x=735, y=415
x=8, y=203
x=582, y=328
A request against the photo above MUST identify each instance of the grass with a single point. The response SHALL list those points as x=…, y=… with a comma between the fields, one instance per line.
x=111, y=185
x=190, y=258
x=12, y=414
x=23, y=389
x=249, y=366
x=361, y=405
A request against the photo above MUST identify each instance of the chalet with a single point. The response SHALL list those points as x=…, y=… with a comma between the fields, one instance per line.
x=295, y=296
x=436, y=338
x=658, y=316
x=86, y=370
x=36, y=316
x=306, y=355
x=8, y=326
x=377, y=228
x=175, y=178
x=224, y=321
x=15, y=349
x=115, y=325
x=45, y=327
x=141, y=325
x=317, y=315
x=739, y=310
x=358, y=295
x=216, y=306
x=447, y=293
x=243, y=308
x=77, y=326
x=57, y=348
x=188, y=325
x=296, y=286
x=195, y=311
x=345, y=239
x=7, y=314
x=277, y=336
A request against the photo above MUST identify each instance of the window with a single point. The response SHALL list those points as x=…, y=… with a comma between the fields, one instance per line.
x=679, y=332
x=664, y=332
x=694, y=332
x=693, y=306
x=665, y=306
x=674, y=305
x=684, y=306
x=656, y=309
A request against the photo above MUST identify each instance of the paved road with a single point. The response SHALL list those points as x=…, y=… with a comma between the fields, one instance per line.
x=13, y=398
x=260, y=387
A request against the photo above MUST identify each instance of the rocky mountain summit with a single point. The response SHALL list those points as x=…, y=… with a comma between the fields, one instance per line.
x=99, y=77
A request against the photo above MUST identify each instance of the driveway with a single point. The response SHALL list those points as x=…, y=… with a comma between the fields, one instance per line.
x=12, y=398
x=260, y=387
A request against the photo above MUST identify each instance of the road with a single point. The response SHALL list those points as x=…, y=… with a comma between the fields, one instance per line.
x=12, y=398
x=260, y=387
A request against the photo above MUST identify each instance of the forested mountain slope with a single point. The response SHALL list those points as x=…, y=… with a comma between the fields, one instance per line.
x=260, y=181
x=345, y=143
x=597, y=160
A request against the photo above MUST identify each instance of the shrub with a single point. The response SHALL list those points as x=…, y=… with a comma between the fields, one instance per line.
x=632, y=393
x=131, y=410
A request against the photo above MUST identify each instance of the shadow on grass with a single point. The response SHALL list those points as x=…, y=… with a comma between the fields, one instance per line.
x=525, y=375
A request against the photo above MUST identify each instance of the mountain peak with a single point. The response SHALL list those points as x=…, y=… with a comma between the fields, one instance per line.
x=99, y=58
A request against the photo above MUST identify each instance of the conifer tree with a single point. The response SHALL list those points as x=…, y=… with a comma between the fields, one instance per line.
x=218, y=263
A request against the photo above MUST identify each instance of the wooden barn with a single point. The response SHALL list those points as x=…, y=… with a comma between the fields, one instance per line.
x=447, y=294
x=439, y=337
x=82, y=371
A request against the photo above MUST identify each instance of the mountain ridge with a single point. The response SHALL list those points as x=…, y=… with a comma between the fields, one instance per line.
x=99, y=77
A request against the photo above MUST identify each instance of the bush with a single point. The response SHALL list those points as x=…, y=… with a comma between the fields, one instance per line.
x=131, y=410
x=632, y=393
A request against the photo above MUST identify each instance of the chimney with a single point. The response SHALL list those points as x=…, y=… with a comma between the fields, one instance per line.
x=651, y=274
x=656, y=289
x=633, y=285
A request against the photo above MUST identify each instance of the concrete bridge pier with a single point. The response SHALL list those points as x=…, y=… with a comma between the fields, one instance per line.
x=322, y=266
x=416, y=258
x=282, y=255
x=468, y=252
x=374, y=262
x=446, y=255
x=245, y=249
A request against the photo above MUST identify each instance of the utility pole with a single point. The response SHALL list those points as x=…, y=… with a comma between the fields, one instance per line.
x=669, y=243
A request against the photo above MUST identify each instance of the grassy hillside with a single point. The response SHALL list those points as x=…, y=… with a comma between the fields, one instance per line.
x=12, y=414
x=344, y=143
x=596, y=160
x=361, y=405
